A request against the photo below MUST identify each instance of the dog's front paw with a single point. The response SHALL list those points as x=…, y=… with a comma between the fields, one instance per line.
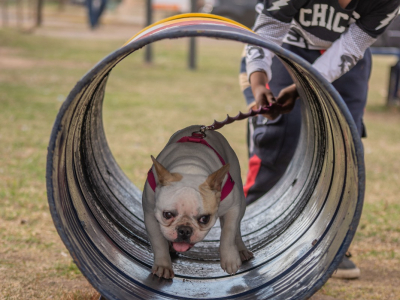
x=163, y=270
x=246, y=255
x=230, y=261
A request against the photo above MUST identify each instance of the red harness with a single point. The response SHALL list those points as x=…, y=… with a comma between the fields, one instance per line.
x=197, y=138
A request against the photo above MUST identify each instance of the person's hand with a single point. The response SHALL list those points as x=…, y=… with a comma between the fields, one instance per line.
x=263, y=96
x=287, y=98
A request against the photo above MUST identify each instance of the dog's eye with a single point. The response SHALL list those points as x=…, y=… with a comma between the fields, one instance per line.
x=168, y=215
x=204, y=219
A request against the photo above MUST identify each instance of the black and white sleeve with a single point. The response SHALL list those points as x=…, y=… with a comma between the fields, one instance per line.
x=260, y=59
x=346, y=51
x=273, y=23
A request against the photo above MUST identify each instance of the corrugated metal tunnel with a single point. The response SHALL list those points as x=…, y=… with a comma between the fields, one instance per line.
x=299, y=231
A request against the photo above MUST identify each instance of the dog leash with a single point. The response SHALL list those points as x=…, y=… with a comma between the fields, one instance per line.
x=240, y=116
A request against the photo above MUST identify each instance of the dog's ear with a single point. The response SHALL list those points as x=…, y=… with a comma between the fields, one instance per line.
x=164, y=176
x=210, y=190
x=214, y=180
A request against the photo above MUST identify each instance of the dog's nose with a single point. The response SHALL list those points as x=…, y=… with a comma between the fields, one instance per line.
x=184, y=232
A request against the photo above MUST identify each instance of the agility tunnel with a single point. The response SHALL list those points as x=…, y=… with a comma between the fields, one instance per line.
x=299, y=231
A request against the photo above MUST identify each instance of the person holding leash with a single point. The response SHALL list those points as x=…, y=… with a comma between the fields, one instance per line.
x=334, y=36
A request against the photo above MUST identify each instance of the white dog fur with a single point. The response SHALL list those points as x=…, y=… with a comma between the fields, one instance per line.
x=186, y=202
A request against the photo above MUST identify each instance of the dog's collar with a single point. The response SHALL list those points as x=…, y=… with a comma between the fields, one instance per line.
x=197, y=138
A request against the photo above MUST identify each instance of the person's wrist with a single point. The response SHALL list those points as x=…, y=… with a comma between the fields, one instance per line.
x=258, y=78
x=294, y=89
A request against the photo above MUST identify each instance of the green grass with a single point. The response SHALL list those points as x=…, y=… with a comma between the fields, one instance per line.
x=144, y=105
x=69, y=270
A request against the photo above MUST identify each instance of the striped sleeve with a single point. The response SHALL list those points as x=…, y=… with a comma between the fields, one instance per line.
x=260, y=59
x=344, y=53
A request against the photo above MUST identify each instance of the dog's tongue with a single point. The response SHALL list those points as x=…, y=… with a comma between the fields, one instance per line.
x=181, y=247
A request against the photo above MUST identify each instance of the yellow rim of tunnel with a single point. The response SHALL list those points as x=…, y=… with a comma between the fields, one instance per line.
x=189, y=15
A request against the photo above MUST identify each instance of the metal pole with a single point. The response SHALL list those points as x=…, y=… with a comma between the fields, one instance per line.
x=192, y=42
x=149, y=20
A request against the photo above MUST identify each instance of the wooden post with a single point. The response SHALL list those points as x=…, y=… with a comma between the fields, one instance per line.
x=4, y=10
x=39, y=10
x=19, y=13
x=192, y=41
x=148, y=56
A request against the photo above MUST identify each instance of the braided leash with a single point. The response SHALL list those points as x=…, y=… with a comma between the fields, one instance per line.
x=240, y=116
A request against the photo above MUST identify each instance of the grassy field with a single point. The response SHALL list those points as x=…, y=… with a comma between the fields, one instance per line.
x=37, y=73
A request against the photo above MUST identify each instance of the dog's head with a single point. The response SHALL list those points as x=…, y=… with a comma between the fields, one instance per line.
x=187, y=205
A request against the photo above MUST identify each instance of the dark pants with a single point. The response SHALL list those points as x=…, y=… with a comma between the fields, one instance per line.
x=273, y=143
x=95, y=10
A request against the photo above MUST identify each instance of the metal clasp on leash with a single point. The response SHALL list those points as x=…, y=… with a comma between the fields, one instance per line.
x=202, y=132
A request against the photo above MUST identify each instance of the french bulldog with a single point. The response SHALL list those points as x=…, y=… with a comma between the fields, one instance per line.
x=194, y=181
